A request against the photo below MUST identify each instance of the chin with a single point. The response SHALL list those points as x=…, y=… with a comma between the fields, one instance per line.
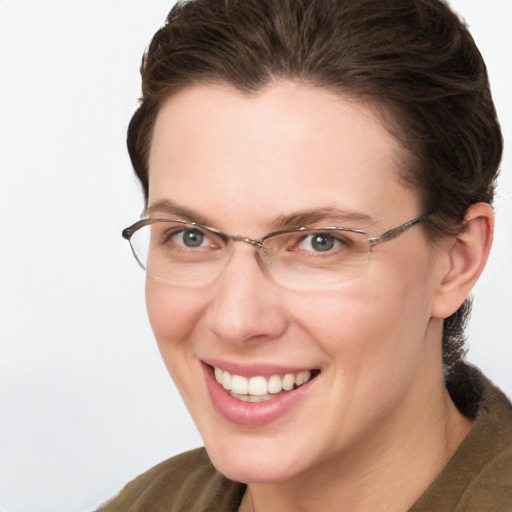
x=253, y=459
x=250, y=469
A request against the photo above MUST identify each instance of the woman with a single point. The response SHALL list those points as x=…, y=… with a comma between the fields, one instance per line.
x=318, y=179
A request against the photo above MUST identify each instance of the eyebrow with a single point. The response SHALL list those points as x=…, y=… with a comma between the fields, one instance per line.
x=338, y=217
x=176, y=211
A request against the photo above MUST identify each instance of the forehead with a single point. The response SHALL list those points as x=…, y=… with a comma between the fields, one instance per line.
x=287, y=148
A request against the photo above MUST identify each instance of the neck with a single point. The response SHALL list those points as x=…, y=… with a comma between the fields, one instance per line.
x=387, y=472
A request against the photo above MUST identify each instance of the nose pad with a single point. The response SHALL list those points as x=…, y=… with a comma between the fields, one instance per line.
x=246, y=304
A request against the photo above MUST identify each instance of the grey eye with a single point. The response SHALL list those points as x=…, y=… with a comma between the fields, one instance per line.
x=192, y=238
x=322, y=242
x=318, y=242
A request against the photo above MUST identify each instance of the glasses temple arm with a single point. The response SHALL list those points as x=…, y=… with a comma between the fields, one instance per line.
x=393, y=233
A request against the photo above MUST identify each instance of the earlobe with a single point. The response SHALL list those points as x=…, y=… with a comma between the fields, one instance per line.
x=466, y=255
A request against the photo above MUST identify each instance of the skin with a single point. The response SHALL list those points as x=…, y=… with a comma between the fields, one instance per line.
x=376, y=425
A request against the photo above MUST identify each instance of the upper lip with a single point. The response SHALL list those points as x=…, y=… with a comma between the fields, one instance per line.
x=255, y=369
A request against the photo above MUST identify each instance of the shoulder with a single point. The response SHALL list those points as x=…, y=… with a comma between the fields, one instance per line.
x=491, y=486
x=479, y=476
x=185, y=482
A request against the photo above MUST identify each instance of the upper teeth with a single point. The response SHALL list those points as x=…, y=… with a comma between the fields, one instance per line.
x=260, y=386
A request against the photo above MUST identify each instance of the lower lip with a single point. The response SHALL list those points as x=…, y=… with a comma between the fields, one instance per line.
x=252, y=414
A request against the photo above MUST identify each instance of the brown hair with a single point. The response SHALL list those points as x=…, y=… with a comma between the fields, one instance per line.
x=415, y=58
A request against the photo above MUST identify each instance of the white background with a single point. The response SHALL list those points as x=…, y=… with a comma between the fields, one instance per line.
x=86, y=403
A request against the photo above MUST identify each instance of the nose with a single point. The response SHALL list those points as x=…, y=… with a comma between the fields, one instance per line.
x=246, y=305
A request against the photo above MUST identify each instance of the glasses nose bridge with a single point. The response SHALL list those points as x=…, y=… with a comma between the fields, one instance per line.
x=247, y=240
x=258, y=245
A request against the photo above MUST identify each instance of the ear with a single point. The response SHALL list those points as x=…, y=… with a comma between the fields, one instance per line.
x=466, y=256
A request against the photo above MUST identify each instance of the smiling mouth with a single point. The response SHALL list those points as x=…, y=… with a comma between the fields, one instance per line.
x=260, y=388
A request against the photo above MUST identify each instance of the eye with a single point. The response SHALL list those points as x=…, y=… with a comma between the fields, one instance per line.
x=190, y=238
x=321, y=242
x=176, y=237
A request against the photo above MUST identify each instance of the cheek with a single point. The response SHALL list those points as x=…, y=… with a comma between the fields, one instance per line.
x=174, y=313
x=377, y=324
x=175, y=316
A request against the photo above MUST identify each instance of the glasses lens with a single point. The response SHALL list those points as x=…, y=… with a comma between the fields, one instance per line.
x=316, y=259
x=179, y=252
x=307, y=259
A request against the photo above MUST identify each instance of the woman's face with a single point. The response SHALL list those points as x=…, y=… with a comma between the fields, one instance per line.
x=244, y=164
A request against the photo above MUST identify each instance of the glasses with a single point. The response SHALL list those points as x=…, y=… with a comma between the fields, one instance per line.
x=307, y=258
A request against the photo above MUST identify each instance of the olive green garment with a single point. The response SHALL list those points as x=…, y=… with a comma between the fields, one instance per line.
x=478, y=478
